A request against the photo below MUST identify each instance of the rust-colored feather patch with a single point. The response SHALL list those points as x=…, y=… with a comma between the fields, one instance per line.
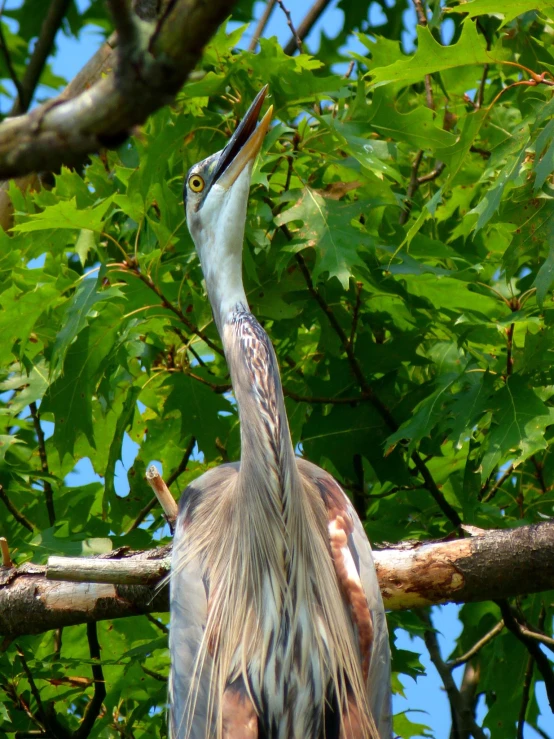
x=238, y=714
x=352, y=724
x=340, y=527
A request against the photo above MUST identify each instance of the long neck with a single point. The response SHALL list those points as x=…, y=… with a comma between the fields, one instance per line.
x=266, y=447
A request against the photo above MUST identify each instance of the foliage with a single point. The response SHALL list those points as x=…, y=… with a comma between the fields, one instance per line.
x=400, y=256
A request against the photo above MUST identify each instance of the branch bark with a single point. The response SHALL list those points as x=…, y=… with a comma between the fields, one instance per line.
x=148, y=74
x=496, y=564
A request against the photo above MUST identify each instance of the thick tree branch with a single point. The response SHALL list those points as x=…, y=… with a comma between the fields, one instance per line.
x=497, y=564
x=148, y=75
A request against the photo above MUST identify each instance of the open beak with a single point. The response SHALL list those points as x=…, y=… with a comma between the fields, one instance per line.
x=245, y=143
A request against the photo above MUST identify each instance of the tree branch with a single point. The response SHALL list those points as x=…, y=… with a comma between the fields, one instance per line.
x=461, y=719
x=170, y=480
x=368, y=392
x=48, y=492
x=42, y=50
x=489, y=636
x=262, y=23
x=19, y=517
x=94, y=706
x=532, y=647
x=148, y=76
x=497, y=564
x=310, y=19
x=296, y=37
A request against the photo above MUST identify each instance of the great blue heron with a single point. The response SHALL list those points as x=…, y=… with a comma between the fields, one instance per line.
x=277, y=624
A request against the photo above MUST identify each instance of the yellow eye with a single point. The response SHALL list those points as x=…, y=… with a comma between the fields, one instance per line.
x=196, y=183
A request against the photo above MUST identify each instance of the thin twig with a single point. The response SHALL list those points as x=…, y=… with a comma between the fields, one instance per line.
x=157, y=623
x=509, y=349
x=47, y=487
x=296, y=37
x=368, y=392
x=41, y=51
x=432, y=175
x=412, y=187
x=262, y=23
x=94, y=706
x=170, y=480
x=5, y=552
x=349, y=70
x=461, y=719
x=50, y=722
x=163, y=494
x=310, y=19
x=497, y=485
x=319, y=399
x=477, y=646
x=356, y=314
x=19, y=517
x=527, y=680
x=539, y=467
x=480, y=96
x=149, y=282
x=548, y=641
x=532, y=647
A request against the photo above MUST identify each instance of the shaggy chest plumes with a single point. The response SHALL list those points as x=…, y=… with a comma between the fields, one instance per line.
x=277, y=625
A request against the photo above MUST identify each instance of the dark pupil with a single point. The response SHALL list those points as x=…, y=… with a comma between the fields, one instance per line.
x=196, y=182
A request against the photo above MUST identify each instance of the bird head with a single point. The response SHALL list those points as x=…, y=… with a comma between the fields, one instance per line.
x=216, y=189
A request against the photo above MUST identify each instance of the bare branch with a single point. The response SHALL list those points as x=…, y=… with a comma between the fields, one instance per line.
x=462, y=720
x=148, y=76
x=48, y=492
x=94, y=706
x=310, y=19
x=296, y=37
x=5, y=552
x=489, y=636
x=412, y=188
x=532, y=647
x=19, y=517
x=170, y=480
x=163, y=494
x=42, y=50
x=498, y=564
x=262, y=23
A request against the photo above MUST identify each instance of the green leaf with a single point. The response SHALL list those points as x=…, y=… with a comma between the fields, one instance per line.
x=520, y=419
x=66, y=214
x=327, y=228
x=70, y=397
x=124, y=420
x=417, y=127
x=508, y=9
x=431, y=56
x=88, y=293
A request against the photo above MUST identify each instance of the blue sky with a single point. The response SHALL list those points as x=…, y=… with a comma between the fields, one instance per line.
x=427, y=694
